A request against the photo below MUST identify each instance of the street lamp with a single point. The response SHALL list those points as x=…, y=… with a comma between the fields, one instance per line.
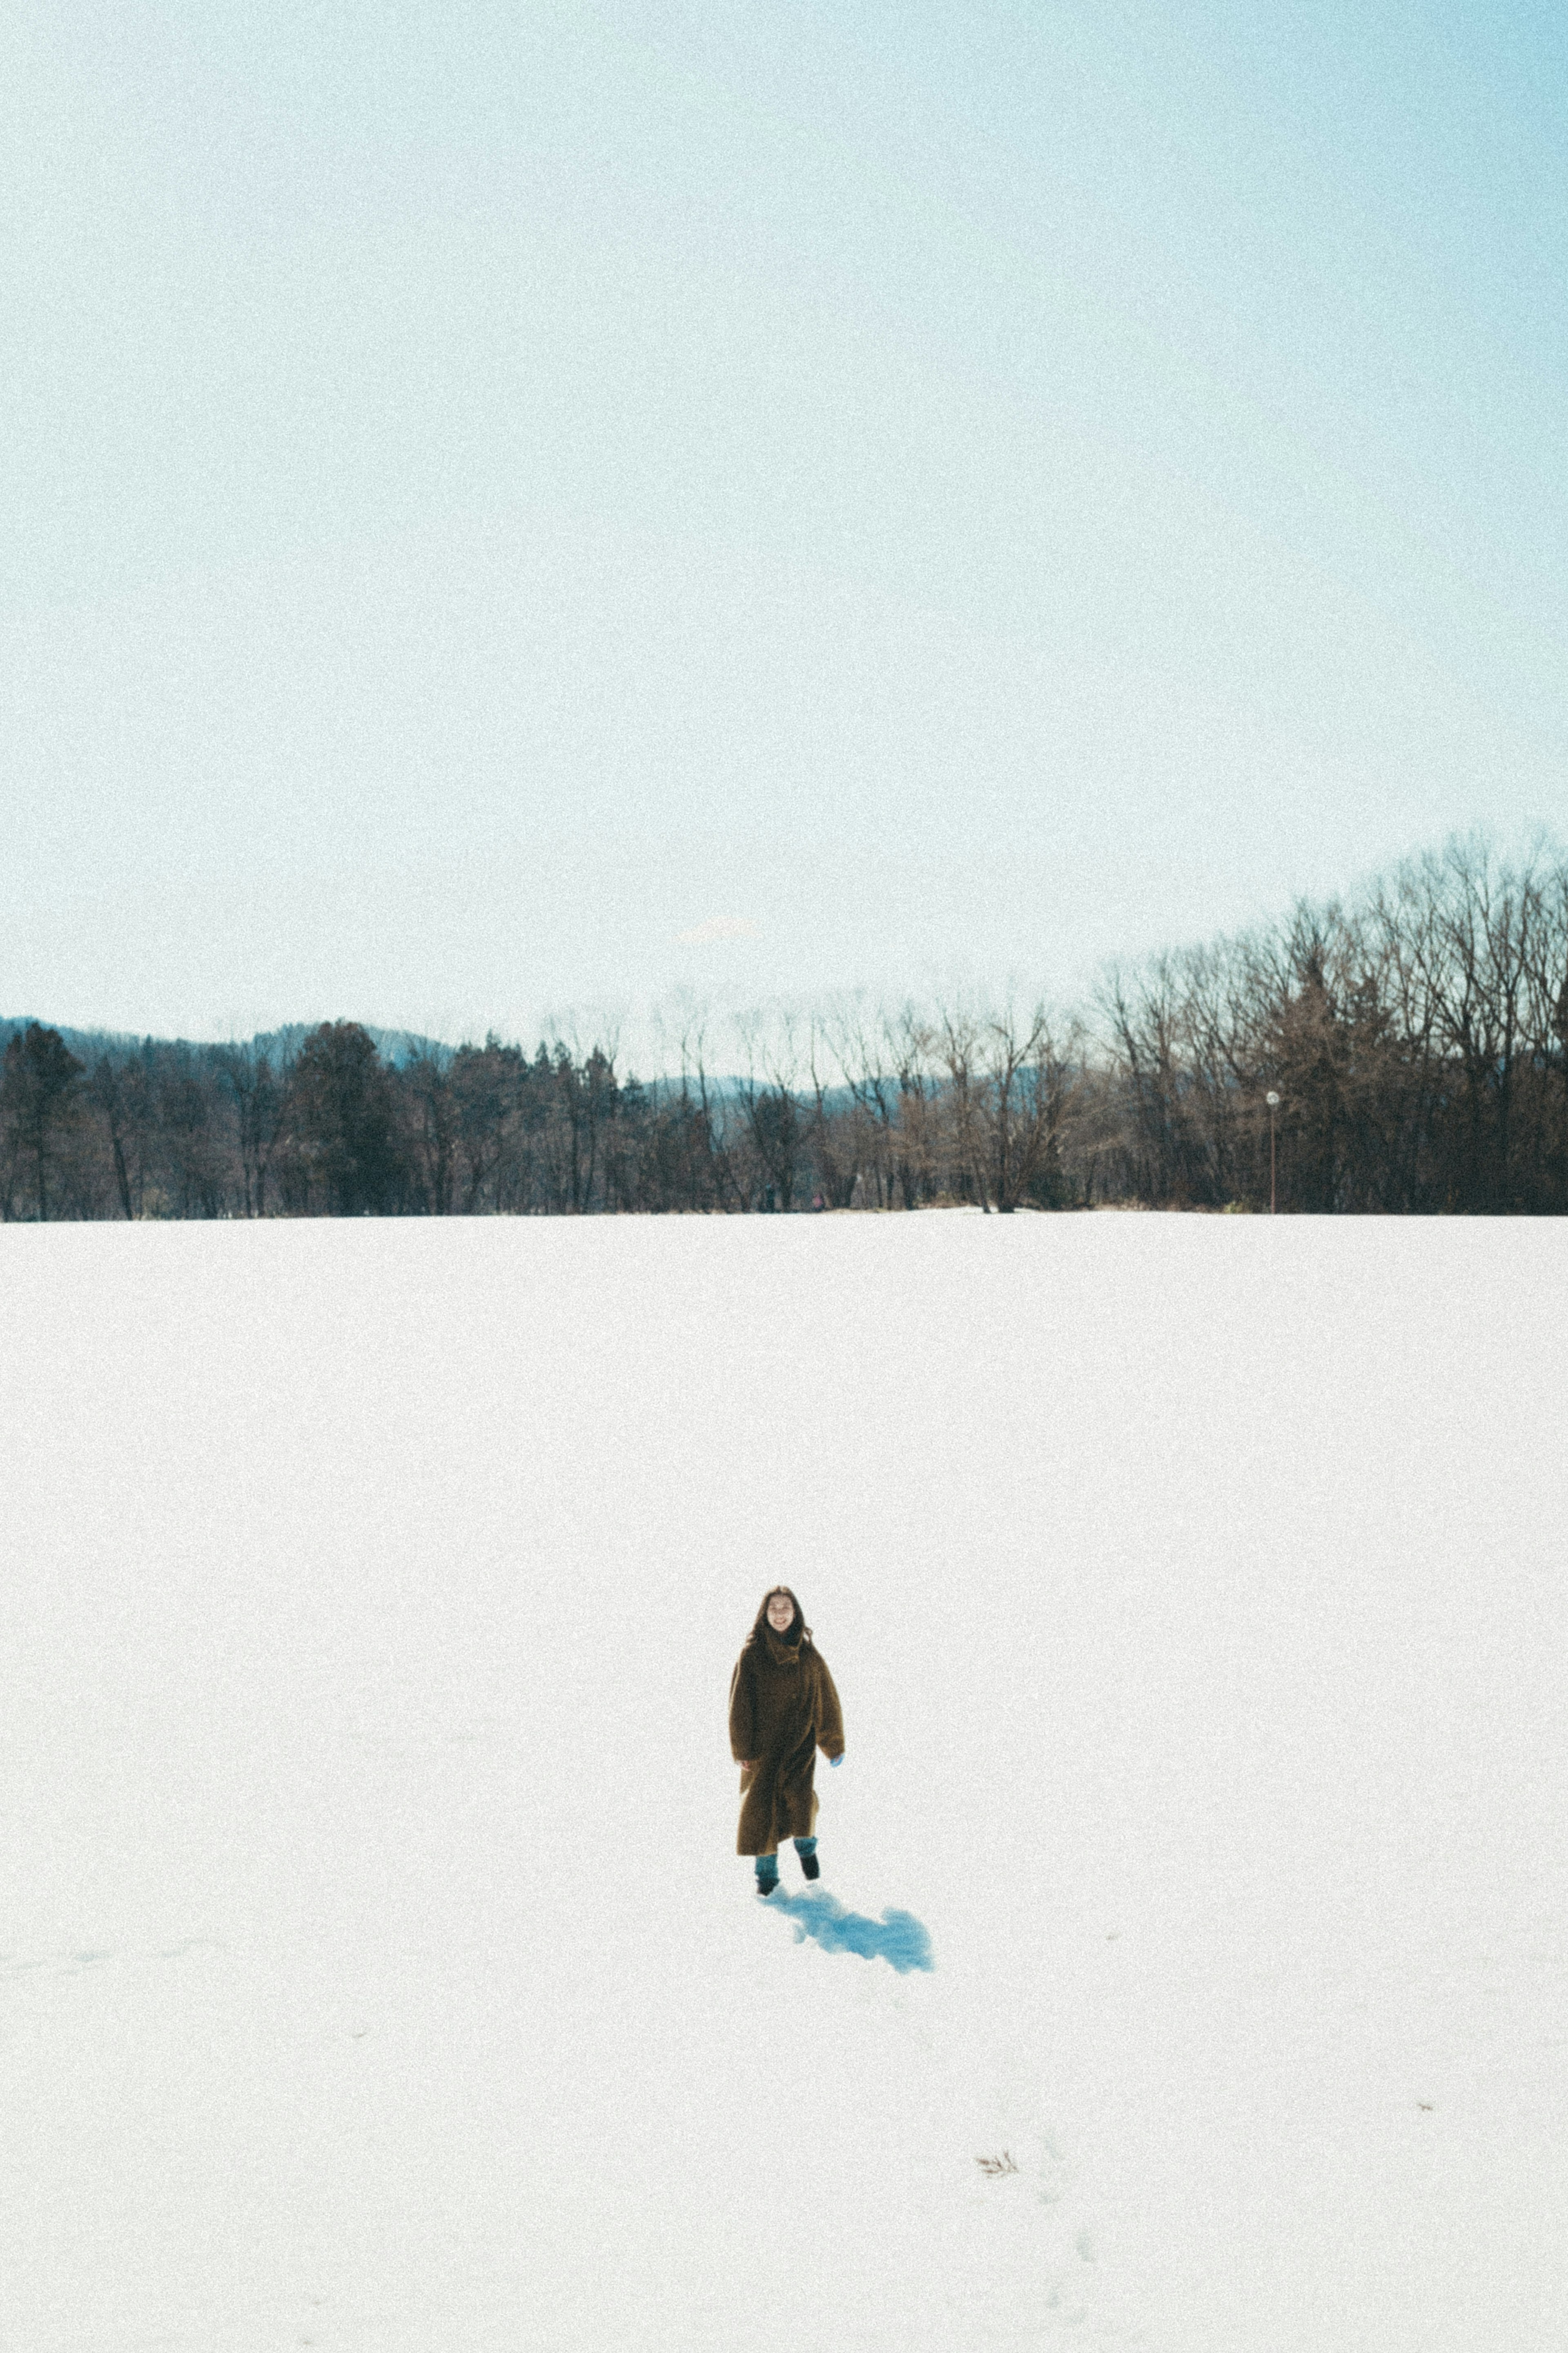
x=1273, y=1102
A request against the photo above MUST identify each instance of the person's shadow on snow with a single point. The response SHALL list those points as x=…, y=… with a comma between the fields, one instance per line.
x=896, y=1937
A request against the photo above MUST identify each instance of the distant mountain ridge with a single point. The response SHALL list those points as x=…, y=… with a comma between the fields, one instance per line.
x=398, y=1046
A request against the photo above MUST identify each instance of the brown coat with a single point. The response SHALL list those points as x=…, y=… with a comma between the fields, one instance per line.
x=783, y=1709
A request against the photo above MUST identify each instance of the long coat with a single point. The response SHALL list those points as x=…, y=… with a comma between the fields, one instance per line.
x=783, y=1709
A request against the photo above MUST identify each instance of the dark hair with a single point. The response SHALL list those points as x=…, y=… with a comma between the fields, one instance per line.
x=799, y=1628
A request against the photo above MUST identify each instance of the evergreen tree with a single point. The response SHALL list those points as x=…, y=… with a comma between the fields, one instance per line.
x=38, y=1089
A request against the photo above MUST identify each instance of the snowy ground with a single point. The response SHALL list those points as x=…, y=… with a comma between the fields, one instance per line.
x=375, y=1967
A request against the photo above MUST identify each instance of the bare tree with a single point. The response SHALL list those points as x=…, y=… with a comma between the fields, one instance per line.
x=433, y=1141
x=258, y=1092
x=107, y=1095
x=767, y=1095
x=958, y=1042
x=835, y=1129
x=1022, y=1106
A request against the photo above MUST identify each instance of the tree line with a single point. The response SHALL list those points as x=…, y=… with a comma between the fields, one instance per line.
x=1415, y=1038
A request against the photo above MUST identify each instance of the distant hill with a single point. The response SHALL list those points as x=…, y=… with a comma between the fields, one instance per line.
x=398, y=1046
x=86, y=1044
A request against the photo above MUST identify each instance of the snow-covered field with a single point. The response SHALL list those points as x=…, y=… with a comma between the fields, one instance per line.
x=375, y=1967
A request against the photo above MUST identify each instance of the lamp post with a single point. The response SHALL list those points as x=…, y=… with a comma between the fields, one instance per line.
x=1273, y=1102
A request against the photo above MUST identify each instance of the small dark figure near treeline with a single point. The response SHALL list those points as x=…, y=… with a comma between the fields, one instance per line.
x=783, y=1709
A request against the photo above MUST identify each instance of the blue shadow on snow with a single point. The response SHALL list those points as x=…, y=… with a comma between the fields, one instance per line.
x=896, y=1937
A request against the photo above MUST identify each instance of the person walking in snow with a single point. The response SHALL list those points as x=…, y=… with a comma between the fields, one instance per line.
x=783, y=1709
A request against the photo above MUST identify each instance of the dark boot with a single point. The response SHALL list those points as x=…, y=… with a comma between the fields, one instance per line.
x=810, y=1865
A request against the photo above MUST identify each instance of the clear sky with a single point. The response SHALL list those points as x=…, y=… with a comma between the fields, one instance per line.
x=516, y=507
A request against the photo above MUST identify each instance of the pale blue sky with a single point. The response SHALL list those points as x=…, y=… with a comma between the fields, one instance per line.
x=897, y=491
